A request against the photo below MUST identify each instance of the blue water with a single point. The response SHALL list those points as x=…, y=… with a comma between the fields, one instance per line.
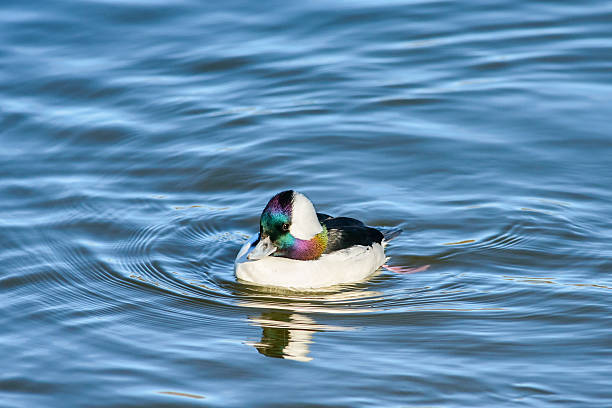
x=141, y=140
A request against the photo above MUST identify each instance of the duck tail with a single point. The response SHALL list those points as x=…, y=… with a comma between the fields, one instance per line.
x=389, y=234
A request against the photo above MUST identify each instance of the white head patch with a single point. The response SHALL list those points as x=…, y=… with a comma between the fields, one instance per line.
x=304, y=221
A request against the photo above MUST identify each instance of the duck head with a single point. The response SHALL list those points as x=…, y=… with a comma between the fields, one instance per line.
x=289, y=228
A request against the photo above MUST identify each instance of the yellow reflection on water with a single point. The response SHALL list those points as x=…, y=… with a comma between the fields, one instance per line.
x=181, y=394
x=528, y=209
x=448, y=309
x=181, y=207
x=467, y=241
x=551, y=281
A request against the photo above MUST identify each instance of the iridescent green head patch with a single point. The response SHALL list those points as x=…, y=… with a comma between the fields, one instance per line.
x=276, y=218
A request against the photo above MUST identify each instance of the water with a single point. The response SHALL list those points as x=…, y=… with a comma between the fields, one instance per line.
x=140, y=141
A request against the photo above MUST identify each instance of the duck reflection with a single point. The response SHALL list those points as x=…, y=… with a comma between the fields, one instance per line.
x=287, y=324
x=285, y=335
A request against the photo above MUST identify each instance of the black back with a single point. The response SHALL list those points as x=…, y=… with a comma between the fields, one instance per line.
x=322, y=217
x=344, y=232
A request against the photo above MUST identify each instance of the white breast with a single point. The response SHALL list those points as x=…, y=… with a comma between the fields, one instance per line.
x=345, y=266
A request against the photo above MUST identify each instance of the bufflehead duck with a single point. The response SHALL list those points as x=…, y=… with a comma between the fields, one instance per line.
x=299, y=248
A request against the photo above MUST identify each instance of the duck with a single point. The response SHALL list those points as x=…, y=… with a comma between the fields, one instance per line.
x=298, y=248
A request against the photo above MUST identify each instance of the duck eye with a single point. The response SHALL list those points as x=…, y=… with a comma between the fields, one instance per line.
x=285, y=227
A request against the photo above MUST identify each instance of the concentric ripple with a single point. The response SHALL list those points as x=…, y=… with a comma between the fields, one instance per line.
x=140, y=142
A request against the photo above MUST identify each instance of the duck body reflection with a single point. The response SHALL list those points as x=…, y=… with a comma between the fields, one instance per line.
x=285, y=335
x=288, y=324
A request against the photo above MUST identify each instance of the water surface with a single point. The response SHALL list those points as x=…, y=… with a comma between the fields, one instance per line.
x=141, y=140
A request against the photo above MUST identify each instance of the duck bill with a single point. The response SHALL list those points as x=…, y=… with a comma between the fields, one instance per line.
x=264, y=248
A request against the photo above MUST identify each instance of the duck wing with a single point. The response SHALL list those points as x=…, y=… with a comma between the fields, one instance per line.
x=322, y=217
x=344, y=232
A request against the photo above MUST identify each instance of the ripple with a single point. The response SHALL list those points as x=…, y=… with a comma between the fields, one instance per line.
x=141, y=141
x=512, y=236
x=188, y=257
